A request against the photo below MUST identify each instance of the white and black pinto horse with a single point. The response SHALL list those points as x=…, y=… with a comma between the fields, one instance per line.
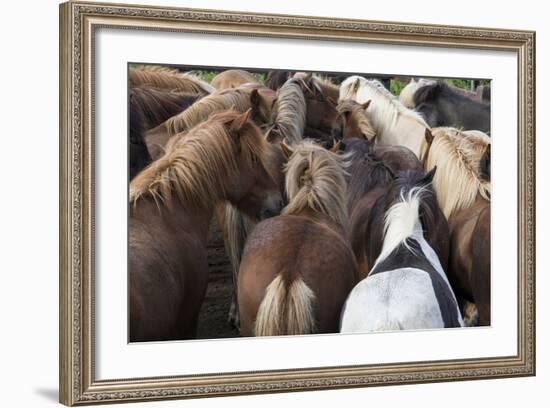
x=407, y=288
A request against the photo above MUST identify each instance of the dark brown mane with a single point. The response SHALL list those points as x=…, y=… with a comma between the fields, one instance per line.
x=367, y=171
x=429, y=207
x=157, y=105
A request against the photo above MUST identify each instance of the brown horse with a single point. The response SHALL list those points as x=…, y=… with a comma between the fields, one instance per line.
x=240, y=99
x=297, y=269
x=172, y=203
x=233, y=78
x=302, y=110
x=352, y=121
x=464, y=158
x=372, y=172
x=149, y=107
x=168, y=80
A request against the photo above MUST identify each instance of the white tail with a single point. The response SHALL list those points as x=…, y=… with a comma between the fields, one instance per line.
x=287, y=309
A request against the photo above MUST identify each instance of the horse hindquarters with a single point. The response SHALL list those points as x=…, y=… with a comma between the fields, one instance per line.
x=481, y=267
x=286, y=309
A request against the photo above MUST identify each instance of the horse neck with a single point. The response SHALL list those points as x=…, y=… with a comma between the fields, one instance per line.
x=406, y=132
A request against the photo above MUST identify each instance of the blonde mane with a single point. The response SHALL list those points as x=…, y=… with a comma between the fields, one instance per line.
x=202, y=109
x=457, y=155
x=315, y=180
x=199, y=167
x=385, y=109
x=358, y=112
x=168, y=79
x=290, y=118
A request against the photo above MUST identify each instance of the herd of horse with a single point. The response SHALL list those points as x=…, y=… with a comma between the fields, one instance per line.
x=343, y=207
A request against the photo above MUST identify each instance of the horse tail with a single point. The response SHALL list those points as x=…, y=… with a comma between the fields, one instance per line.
x=389, y=326
x=286, y=309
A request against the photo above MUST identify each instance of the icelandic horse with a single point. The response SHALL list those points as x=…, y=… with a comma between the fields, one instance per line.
x=298, y=268
x=225, y=158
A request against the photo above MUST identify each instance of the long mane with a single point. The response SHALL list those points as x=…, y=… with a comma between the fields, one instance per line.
x=315, y=180
x=200, y=165
x=201, y=110
x=385, y=109
x=290, y=117
x=168, y=80
x=156, y=106
x=457, y=155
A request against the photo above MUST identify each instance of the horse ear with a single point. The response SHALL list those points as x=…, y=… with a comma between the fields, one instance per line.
x=428, y=178
x=337, y=146
x=240, y=120
x=485, y=164
x=287, y=151
x=366, y=104
x=428, y=136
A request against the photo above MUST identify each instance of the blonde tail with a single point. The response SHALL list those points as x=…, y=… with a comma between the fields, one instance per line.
x=282, y=313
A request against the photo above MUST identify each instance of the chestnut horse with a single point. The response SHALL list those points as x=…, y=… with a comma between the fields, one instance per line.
x=172, y=202
x=149, y=107
x=233, y=78
x=393, y=123
x=407, y=288
x=298, y=268
x=464, y=158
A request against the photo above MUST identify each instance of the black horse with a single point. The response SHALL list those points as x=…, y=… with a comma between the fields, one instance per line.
x=442, y=106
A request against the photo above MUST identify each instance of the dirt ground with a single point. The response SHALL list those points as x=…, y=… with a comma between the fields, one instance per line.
x=213, y=315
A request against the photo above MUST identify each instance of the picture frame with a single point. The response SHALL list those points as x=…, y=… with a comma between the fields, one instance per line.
x=79, y=22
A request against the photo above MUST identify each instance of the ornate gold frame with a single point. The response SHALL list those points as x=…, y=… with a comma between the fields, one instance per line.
x=77, y=24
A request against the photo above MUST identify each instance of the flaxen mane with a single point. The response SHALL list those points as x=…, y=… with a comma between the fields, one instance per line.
x=290, y=115
x=385, y=109
x=457, y=155
x=315, y=179
x=357, y=113
x=200, y=111
x=406, y=97
x=197, y=167
x=169, y=80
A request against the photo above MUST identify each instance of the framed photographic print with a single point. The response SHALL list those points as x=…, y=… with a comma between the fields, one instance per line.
x=256, y=203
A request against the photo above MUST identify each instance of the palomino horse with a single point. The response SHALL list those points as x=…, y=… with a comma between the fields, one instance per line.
x=172, y=203
x=169, y=80
x=443, y=105
x=407, y=288
x=240, y=99
x=464, y=158
x=150, y=107
x=393, y=123
x=297, y=269
x=372, y=172
x=233, y=78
